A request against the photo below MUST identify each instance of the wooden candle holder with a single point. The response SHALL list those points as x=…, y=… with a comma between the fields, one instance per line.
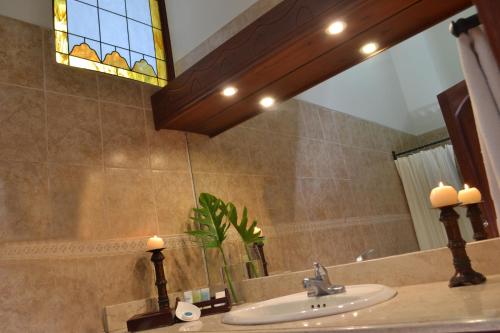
x=476, y=219
x=260, y=249
x=212, y=306
x=162, y=317
x=464, y=274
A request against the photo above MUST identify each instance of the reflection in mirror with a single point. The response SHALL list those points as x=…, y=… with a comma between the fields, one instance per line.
x=318, y=172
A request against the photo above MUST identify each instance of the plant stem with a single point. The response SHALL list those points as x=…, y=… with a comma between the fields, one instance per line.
x=228, y=276
x=252, y=266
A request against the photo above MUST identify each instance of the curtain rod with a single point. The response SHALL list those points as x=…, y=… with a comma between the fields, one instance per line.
x=464, y=24
x=396, y=155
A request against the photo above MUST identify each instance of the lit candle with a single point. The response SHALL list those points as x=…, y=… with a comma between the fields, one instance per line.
x=443, y=195
x=469, y=195
x=256, y=230
x=155, y=242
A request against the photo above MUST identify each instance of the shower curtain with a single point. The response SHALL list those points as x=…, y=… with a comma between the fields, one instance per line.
x=420, y=173
x=482, y=75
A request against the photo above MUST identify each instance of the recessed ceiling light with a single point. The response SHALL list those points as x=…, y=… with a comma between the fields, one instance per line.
x=335, y=28
x=229, y=91
x=369, y=48
x=267, y=102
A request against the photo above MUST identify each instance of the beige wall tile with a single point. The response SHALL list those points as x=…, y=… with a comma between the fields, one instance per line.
x=21, y=57
x=24, y=205
x=119, y=90
x=77, y=202
x=22, y=124
x=124, y=136
x=64, y=79
x=174, y=201
x=185, y=269
x=74, y=130
x=129, y=203
x=168, y=149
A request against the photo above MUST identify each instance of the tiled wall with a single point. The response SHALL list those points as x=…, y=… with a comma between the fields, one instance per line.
x=80, y=165
x=85, y=179
x=322, y=184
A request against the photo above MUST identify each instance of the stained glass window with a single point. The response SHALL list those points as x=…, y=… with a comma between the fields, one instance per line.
x=120, y=37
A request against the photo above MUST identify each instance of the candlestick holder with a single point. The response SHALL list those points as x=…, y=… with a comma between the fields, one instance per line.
x=464, y=274
x=260, y=249
x=162, y=317
x=476, y=220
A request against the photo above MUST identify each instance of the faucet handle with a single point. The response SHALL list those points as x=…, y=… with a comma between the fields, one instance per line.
x=320, y=272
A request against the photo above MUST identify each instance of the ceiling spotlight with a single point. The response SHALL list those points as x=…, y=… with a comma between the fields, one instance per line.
x=229, y=91
x=369, y=48
x=267, y=102
x=335, y=28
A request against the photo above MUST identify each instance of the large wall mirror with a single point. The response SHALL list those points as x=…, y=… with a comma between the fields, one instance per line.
x=343, y=171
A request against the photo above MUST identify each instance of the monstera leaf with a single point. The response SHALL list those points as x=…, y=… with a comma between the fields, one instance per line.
x=211, y=219
x=247, y=233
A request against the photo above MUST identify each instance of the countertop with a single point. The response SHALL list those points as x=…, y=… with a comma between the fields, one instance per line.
x=431, y=307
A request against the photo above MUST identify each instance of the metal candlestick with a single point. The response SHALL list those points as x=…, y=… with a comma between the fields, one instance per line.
x=464, y=274
x=474, y=215
x=260, y=249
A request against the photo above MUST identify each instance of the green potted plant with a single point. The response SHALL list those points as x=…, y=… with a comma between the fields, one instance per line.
x=250, y=235
x=211, y=217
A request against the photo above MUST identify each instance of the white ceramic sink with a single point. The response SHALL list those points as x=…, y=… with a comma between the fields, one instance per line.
x=300, y=306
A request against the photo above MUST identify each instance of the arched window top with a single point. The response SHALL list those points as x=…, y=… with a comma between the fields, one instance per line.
x=119, y=37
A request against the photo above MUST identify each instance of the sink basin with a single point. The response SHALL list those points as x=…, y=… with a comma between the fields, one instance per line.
x=299, y=306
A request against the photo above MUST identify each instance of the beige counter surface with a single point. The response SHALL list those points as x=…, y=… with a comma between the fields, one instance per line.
x=431, y=307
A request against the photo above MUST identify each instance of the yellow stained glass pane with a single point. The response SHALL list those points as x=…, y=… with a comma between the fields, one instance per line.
x=61, y=42
x=92, y=65
x=60, y=17
x=62, y=58
x=162, y=69
x=155, y=14
x=144, y=68
x=137, y=76
x=86, y=52
x=115, y=59
x=162, y=83
x=159, y=49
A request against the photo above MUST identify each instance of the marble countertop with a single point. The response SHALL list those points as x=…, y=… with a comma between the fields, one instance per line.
x=431, y=307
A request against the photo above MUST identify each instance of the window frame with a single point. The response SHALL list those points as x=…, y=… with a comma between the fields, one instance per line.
x=167, y=46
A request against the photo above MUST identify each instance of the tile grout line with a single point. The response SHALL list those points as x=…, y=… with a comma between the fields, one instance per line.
x=150, y=169
x=193, y=187
x=47, y=149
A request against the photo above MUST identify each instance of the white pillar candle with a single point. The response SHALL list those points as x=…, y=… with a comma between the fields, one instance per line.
x=155, y=242
x=256, y=230
x=443, y=195
x=469, y=195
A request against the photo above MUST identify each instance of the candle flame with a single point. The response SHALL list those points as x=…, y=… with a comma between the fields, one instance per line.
x=441, y=184
x=256, y=230
x=466, y=186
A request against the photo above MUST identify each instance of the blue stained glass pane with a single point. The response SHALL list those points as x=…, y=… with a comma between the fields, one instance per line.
x=113, y=29
x=141, y=38
x=91, y=2
x=152, y=62
x=139, y=10
x=135, y=57
x=116, y=6
x=82, y=19
x=74, y=40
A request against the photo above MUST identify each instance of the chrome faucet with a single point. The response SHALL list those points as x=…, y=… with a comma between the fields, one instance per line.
x=320, y=284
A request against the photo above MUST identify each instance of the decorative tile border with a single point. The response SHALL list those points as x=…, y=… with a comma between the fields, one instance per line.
x=336, y=223
x=71, y=249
